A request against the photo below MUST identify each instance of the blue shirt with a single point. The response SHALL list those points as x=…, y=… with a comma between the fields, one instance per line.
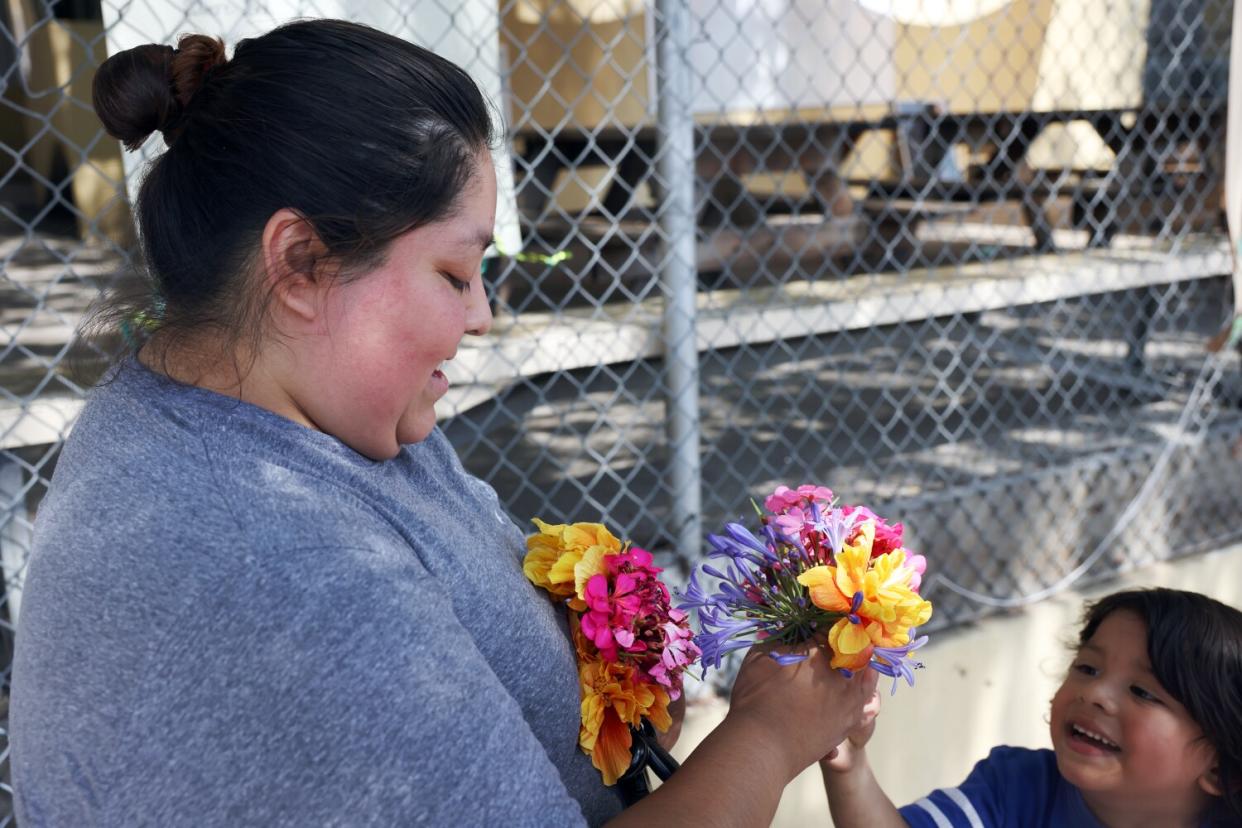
x=1012, y=787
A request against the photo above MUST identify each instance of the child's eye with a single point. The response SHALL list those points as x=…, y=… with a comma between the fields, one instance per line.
x=459, y=285
x=1140, y=693
x=1085, y=669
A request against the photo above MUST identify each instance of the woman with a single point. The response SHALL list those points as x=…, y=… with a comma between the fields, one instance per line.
x=263, y=589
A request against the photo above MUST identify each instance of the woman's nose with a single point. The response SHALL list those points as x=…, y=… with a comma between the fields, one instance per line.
x=478, y=311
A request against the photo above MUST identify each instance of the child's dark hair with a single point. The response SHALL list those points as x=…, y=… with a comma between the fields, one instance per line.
x=365, y=135
x=1195, y=646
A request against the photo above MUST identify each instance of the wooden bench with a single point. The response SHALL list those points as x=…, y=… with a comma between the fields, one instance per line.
x=540, y=343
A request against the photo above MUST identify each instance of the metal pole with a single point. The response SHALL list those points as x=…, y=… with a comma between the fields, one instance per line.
x=679, y=276
x=15, y=534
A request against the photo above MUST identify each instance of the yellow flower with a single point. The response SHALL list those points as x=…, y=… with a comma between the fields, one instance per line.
x=875, y=596
x=561, y=558
x=851, y=644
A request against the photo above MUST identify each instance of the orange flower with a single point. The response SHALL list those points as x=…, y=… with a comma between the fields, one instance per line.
x=612, y=702
x=582, y=646
x=658, y=713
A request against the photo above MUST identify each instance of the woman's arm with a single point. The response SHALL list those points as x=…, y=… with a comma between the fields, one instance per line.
x=781, y=719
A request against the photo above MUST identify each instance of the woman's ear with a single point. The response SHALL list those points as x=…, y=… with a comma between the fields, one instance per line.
x=1209, y=781
x=294, y=266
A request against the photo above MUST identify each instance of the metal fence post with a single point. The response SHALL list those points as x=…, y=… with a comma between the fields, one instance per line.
x=15, y=534
x=679, y=276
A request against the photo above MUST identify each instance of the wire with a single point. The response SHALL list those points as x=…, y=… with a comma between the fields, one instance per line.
x=1209, y=374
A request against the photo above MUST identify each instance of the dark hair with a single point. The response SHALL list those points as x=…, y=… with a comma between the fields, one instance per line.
x=1195, y=647
x=365, y=135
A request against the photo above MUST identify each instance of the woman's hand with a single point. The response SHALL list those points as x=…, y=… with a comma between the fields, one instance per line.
x=806, y=709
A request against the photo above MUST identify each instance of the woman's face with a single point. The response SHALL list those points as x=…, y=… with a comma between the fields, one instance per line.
x=377, y=366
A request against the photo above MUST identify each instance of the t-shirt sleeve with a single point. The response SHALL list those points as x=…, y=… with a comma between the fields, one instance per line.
x=998, y=793
x=332, y=687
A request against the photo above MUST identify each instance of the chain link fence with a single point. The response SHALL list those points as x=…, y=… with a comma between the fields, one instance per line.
x=955, y=260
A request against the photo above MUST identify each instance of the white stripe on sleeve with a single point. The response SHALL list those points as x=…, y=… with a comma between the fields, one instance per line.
x=968, y=808
x=935, y=813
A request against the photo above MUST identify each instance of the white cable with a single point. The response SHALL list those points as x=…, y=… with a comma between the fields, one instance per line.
x=1209, y=373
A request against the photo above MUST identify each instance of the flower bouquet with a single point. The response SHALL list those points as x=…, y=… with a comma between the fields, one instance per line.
x=633, y=645
x=814, y=570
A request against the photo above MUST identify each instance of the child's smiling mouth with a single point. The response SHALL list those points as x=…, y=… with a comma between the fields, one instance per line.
x=1089, y=741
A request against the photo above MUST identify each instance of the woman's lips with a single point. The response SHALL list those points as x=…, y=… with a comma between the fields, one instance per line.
x=439, y=383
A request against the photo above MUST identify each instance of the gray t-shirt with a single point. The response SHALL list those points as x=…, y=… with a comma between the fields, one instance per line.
x=229, y=618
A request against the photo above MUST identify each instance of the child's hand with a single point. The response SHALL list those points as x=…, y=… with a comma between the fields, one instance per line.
x=845, y=756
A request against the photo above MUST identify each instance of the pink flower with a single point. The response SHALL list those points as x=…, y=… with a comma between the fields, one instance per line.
x=792, y=521
x=793, y=515
x=610, y=613
x=596, y=624
x=626, y=601
x=887, y=538
x=629, y=617
x=623, y=603
x=784, y=498
x=633, y=559
x=919, y=564
x=799, y=522
x=679, y=652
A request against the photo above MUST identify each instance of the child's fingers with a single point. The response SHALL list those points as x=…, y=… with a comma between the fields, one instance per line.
x=872, y=708
x=871, y=679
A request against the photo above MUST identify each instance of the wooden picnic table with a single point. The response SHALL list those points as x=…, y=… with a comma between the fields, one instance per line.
x=726, y=149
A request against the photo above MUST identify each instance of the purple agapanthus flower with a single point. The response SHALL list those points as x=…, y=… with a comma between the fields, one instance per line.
x=834, y=524
x=694, y=597
x=895, y=662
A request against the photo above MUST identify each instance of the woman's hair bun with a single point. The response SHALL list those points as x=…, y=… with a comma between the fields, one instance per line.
x=144, y=89
x=196, y=56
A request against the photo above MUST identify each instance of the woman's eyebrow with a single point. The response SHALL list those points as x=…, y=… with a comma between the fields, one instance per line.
x=477, y=240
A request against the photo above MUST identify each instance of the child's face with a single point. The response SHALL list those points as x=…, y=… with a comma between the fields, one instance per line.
x=1119, y=737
